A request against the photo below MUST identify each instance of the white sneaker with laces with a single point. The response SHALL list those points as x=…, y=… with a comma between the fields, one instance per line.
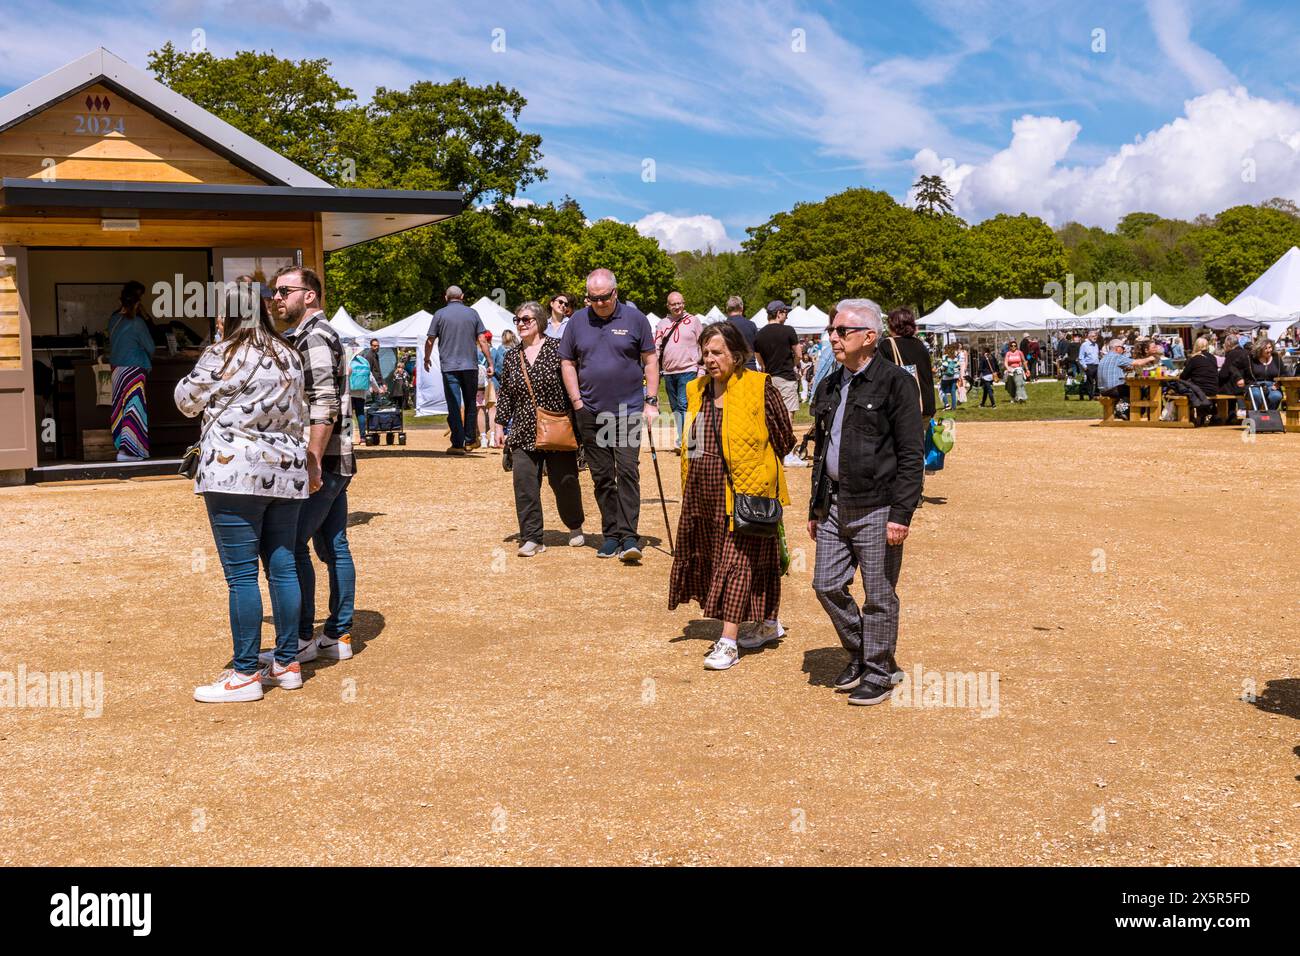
x=335, y=649
x=530, y=548
x=755, y=636
x=286, y=678
x=306, y=653
x=230, y=687
x=576, y=538
x=794, y=461
x=723, y=655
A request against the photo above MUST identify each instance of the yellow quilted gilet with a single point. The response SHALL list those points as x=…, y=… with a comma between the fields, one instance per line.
x=753, y=463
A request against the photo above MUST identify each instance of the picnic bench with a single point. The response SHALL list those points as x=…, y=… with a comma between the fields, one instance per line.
x=1290, y=385
x=1146, y=402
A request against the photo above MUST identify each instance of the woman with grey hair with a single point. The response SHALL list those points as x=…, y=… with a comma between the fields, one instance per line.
x=531, y=380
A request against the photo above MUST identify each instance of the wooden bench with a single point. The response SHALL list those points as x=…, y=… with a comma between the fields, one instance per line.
x=1108, y=410
x=1182, y=414
x=1223, y=408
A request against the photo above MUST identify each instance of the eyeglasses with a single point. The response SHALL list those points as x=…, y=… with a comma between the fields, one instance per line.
x=600, y=299
x=284, y=291
x=843, y=330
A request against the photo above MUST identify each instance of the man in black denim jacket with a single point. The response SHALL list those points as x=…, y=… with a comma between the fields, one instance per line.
x=866, y=483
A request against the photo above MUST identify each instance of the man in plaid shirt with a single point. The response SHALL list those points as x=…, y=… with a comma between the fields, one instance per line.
x=323, y=520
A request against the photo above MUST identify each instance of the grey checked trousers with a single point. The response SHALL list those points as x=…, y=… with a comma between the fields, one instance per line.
x=847, y=540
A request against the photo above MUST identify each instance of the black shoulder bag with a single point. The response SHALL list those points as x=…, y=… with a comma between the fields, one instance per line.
x=754, y=515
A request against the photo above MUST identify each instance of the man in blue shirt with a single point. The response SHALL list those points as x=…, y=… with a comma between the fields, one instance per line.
x=606, y=352
x=736, y=316
x=458, y=330
x=1089, y=357
x=1115, y=364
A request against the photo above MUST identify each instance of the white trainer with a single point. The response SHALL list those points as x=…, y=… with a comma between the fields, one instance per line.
x=755, y=636
x=576, y=538
x=306, y=653
x=530, y=548
x=723, y=655
x=794, y=461
x=230, y=687
x=339, y=649
x=285, y=678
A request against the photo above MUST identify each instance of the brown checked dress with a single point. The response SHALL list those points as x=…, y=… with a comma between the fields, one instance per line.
x=733, y=577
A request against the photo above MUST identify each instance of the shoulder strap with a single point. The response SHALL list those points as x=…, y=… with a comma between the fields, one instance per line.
x=229, y=401
x=663, y=343
x=898, y=360
x=523, y=367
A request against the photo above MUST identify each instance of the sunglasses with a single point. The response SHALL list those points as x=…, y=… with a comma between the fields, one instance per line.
x=284, y=291
x=602, y=298
x=562, y=303
x=843, y=330
x=524, y=319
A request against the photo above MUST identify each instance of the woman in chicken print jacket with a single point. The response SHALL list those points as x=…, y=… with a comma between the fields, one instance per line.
x=253, y=479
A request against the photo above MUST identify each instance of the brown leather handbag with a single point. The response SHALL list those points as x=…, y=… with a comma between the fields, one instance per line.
x=554, y=429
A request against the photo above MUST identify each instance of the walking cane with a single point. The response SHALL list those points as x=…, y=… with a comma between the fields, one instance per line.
x=660, y=482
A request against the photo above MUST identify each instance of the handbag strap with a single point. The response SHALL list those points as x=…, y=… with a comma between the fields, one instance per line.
x=523, y=367
x=224, y=408
x=898, y=360
x=717, y=431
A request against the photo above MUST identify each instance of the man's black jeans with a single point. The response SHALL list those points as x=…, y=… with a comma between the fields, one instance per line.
x=612, y=446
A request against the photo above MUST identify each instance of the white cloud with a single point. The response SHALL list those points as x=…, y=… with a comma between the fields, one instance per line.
x=686, y=233
x=1173, y=32
x=1228, y=148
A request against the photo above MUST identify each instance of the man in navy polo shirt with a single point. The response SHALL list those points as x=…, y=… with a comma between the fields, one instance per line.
x=611, y=372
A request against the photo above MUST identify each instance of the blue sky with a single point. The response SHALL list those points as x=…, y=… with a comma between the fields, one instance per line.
x=746, y=108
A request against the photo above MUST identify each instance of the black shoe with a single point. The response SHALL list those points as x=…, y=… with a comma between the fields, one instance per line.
x=628, y=552
x=850, y=676
x=608, y=548
x=870, y=694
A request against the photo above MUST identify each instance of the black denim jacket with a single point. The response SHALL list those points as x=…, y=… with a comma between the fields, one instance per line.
x=882, y=442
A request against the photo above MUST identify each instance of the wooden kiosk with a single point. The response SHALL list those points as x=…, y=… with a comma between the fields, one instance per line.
x=106, y=175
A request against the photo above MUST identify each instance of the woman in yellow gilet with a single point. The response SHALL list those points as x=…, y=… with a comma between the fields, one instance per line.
x=735, y=578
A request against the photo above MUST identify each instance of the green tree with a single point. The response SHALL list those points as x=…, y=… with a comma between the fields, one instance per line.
x=644, y=271
x=933, y=197
x=294, y=107
x=1010, y=256
x=706, y=279
x=1245, y=241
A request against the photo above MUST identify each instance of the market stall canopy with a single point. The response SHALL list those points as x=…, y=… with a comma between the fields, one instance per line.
x=406, y=333
x=1153, y=309
x=947, y=317
x=1239, y=322
x=1204, y=306
x=808, y=321
x=495, y=319
x=759, y=318
x=1279, y=284
x=1252, y=306
x=713, y=315
x=1020, y=315
x=348, y=330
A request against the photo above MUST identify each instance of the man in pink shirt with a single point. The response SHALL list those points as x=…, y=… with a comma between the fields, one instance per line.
x=678, y=337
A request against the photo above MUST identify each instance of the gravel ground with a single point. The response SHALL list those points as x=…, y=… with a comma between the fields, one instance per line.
x=1126, y=588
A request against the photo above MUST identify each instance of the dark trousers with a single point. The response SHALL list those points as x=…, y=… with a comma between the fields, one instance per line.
x=986, y=392
x=562, y=473
x=612, y=447
x=323, y=523
x=461, y=390
x=1089, y=381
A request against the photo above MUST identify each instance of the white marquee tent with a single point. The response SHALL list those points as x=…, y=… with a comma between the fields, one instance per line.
x=947, y=317
x=1279, y=285
x=1204, y=306
x=808, y=321
x=347, y=328
x=495, y=318
x=713, y=315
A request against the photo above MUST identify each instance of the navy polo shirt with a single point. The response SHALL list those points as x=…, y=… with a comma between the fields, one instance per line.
x=607, y=353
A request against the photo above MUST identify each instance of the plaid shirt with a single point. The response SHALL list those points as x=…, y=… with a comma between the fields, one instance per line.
x=325, y=375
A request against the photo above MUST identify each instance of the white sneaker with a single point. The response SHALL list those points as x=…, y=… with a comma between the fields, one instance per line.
x=333, y=649
x=306, y=653
x=230, y=687
x=576, y=538
x=723, y=655
x=286, y=678
x=755, y=636
x=794, y=461
x=127, y=456
x=530, y=548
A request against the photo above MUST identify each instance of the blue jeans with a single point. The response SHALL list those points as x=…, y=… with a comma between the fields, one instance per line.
x=675, y=383
x=247, y=528
x=948, y=387
x=323, y=522
x=461, y=390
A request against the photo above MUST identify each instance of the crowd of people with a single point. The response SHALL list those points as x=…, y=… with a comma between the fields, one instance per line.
x=275, y=455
